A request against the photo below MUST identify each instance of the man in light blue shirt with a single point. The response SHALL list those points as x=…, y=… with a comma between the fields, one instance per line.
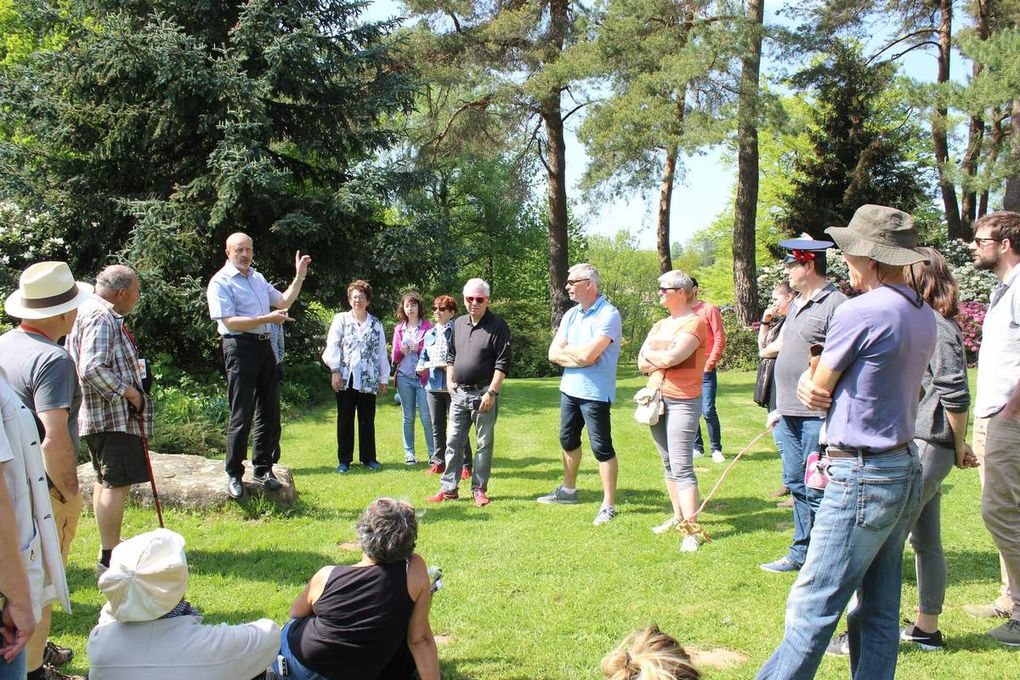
x=244, y=306
x=587, y=346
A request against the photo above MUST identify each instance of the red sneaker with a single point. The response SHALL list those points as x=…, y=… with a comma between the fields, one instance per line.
x=442, y=496
x=465, y=473
x=481, y=500
x=437, y=468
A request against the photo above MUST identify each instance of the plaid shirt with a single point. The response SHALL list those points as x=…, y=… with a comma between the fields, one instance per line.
x=107, y=363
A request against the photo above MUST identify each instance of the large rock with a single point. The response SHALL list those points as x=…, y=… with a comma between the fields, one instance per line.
x=193, y=482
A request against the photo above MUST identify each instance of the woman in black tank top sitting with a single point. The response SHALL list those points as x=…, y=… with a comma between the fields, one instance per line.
x=369, y=620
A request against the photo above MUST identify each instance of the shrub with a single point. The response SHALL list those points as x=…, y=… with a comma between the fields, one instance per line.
x=741, y=353
x=529, y=327
x=972, y=315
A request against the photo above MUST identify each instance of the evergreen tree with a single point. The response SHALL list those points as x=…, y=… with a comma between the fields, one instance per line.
x=158, y=127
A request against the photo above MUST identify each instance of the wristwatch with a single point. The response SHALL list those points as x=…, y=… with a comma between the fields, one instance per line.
x=492, y=392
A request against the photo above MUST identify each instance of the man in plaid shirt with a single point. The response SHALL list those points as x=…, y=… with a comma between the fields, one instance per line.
x=110, y=375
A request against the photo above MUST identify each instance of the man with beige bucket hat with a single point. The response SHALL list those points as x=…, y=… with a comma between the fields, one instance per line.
x=148, y=631
x=43, y=376
x=867, y=382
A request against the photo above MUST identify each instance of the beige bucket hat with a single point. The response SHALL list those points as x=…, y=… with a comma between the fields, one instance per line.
x=886, y=235
x=46, y=289
x=147, y=577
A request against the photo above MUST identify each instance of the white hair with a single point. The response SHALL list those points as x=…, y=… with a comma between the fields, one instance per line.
x=477, y=283
x=677, y=278
x=587, y=271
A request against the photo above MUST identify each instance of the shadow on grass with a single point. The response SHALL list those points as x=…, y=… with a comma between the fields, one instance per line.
x=962, y=566
x=260, y=563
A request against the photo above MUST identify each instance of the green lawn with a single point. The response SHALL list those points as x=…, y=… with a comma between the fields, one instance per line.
x=535, y=591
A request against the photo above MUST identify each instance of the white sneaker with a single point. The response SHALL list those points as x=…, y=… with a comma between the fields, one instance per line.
x=689, y=544
x=668, y=525
x=718, y=457
x=698, y=454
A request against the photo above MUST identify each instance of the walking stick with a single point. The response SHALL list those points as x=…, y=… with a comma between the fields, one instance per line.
x=689, y=527
x=152, y=477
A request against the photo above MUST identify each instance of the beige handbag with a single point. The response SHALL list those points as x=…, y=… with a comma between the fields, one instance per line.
x=649, y=401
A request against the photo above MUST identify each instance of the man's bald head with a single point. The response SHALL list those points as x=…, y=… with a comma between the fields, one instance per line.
x=240, y=251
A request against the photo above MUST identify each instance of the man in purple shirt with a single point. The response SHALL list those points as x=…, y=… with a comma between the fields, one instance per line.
x=867, y=380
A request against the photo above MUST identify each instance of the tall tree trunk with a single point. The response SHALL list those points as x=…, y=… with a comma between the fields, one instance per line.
x=994, y=147
x=556, y=167
x=938, y=125
x=665, y=199
x=968, y=205
x=745, y=279
x=1011, y=201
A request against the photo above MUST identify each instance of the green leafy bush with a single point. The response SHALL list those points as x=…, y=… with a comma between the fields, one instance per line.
x=741, y=353
x=529, y=326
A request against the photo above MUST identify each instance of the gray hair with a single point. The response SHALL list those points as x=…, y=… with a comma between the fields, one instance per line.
x=116, y=278
x=477, y=283
x=677, y=279
x=587, y=271
x=387, y=531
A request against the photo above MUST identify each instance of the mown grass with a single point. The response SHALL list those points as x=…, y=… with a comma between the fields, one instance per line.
x=535, y=591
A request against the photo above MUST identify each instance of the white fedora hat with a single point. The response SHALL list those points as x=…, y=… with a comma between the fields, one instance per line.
x=46, y=289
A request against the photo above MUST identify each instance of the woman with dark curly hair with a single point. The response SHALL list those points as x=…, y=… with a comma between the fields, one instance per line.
x=369, y=620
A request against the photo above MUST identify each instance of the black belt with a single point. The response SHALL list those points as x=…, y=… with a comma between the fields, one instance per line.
x=833, y=452
x=248, y=336
x=473, y=388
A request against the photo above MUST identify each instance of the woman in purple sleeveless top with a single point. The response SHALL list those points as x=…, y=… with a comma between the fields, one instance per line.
x=368, y=620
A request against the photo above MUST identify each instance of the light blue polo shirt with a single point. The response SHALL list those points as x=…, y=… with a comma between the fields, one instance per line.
x=231, y=293
x=579, y=327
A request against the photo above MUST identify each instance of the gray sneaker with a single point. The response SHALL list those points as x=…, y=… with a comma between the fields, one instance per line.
x=606, y=514
x=559, y=496
x=1008, y=633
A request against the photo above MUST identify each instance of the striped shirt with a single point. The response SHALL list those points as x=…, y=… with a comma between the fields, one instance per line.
x=107, y=361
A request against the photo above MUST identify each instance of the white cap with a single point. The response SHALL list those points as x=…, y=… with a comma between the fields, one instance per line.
x=147, y=577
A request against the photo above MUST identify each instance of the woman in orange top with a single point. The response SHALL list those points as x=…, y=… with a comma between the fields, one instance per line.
x=673, y=356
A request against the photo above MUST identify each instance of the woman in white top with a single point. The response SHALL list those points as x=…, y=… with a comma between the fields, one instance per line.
x=356, y=355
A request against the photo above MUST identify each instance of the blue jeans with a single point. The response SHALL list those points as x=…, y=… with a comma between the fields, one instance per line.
x=295, y=669
x=709, y=385
x=413, y=397
x=796, y=438
x=14, y=670
x=856, y=544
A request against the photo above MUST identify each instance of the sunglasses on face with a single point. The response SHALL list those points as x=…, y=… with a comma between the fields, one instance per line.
x=441, y=309
x=475, y=300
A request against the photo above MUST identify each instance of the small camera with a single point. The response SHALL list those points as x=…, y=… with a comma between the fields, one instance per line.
x=435, y=578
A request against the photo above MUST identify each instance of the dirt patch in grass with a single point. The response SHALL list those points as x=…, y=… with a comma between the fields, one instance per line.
x=719, y=657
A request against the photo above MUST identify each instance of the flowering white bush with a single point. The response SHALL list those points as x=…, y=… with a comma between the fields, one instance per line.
x=26, y=237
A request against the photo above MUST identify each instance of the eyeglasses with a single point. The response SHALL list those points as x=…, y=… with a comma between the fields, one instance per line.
x=663, y=290
x=979, y=241
x=475, y=300
x=574, y=282
x=443, y=309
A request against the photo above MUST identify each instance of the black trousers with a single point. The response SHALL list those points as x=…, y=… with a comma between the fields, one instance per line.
x=251, y=381
x=274, y=403
x=348, y=401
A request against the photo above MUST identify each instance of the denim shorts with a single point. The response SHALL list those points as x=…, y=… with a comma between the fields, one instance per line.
x=575, y=414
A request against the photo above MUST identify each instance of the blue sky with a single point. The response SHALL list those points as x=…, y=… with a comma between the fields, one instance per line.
x=707, y=186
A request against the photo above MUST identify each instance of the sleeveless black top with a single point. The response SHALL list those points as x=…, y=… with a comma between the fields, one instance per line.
x=358, y=626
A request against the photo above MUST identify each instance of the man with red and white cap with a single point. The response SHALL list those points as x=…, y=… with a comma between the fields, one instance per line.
x=43, y=375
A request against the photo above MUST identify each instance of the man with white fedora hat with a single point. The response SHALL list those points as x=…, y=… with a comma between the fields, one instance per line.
x=867, y=382
x=43, y=375
x=148, y=631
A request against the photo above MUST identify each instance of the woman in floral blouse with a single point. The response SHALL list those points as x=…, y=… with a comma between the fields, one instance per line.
x=356, y=354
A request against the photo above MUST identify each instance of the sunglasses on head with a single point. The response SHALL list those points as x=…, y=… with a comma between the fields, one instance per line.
x=476, y=300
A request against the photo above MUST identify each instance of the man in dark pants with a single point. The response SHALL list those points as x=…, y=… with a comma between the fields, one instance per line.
x=242, y=303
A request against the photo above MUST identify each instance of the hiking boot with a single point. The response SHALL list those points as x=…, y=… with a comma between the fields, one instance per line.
x=985, y=611
x=268, y=481
x=689, y=544
x=437, y=468
x=718, y=457
x=55, y=655
x=782, y=565
x=780, y=492
x=1008, y=633
x=442, y=496
x=51, y=673
x=606, y=513
x=558, y=495
x=668, y=525
x=481, y=500
x=839, y=646
x=465, y=474
x=929, y=642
